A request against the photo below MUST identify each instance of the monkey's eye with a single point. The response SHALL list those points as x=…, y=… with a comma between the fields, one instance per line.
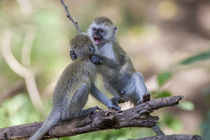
x=92, y=49
x=94, y=29
x=101, y=30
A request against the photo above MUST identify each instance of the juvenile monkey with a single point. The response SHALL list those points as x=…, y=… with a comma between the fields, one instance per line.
x=125, y=84
x=73, y=87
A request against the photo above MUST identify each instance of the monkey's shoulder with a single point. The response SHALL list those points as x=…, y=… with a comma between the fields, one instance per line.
x=117, y=48
x=79, y=67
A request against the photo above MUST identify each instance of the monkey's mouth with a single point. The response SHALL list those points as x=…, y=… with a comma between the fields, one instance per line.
x=97, y=40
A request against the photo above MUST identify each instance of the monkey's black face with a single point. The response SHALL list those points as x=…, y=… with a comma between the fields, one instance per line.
x=98, y=35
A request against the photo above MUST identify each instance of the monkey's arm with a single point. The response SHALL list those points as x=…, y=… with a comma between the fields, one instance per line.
x=102, y=98
x=98, y=59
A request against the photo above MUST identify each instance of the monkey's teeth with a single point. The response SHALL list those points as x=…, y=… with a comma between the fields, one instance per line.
x=97, y=40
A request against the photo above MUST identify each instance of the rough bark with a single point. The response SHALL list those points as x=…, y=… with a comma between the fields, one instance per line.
x=172, y=137
x=138, y=116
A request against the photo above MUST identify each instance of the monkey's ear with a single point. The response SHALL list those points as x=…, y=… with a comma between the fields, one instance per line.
x=115, y=28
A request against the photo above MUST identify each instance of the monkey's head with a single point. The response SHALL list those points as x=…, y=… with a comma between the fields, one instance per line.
x=82, y=45
x=102, y=30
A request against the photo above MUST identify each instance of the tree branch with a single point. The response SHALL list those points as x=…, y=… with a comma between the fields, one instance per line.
x=171, y=137
x=137, y=116
x=70, y=17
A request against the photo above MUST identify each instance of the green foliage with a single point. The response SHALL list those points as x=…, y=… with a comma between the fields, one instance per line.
x=198, y=57
x=18, y=110
x=186, y=105
x=172, y=122
x=205, y=127
x=164, y=77
x=162, y=94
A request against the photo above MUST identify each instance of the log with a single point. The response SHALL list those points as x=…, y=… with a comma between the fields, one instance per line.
x=172, y=137
x=138, y=116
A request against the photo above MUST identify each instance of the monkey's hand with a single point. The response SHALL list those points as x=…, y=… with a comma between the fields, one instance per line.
x=73, y=55
x=94, y=109
x=96, y=60
x=114, y=107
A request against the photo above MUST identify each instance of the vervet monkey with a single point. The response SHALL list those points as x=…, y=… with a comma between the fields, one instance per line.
x=73, y=87
x=126, y=84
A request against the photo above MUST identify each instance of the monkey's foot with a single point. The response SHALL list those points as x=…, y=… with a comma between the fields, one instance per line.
x=115, y=101
x=114, y=107
x=146, y=98
x=97, y=108
x=88, y=111
x=94, y=109
x=73, y=55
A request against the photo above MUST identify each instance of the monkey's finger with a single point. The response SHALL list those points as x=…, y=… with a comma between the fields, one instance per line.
x=92, y=49
x=139, y=102
x=95, y=59
x=73, y=57
x=72, y=52
x=98, y=108
x=146, y=98
x=117, y=108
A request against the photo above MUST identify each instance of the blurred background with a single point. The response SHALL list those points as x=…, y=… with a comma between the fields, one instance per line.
x=167, y=41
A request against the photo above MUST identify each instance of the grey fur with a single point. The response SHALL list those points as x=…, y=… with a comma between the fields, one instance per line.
x=124, y=82
x=73, y=87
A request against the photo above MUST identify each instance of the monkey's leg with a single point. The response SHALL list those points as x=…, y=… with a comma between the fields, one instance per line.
x=135, y=86
x=102, y=98
x=79, y=99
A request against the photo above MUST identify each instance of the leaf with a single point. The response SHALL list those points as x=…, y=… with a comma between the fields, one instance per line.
x=162, y=94
x=195, y=58
x=164, y=77
x=186, y=105
x=172, y=122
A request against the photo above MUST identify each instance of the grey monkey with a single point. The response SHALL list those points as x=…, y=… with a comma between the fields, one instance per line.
x=73, y=87
x=124, y=83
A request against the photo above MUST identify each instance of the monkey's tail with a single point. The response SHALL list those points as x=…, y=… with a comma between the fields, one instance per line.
x=52, y=120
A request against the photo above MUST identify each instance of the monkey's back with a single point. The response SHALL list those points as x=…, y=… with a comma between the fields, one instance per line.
x=72, y=77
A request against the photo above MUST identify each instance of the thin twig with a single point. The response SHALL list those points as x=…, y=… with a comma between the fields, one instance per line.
x=70, y=17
